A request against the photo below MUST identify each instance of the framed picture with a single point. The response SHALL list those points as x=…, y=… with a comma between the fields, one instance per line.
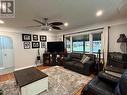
x=43, y=38
x=35, y=37
x=43, y=44
x=26, y=37
x=26, y=45
x=35, y=44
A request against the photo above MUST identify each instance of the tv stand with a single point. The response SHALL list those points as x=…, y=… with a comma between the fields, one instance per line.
x=51, y=59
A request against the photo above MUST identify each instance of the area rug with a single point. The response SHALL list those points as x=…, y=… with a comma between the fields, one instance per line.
x=61, y=82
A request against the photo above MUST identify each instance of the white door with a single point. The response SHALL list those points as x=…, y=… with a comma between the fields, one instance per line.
x=1, y=59
x=6, y=52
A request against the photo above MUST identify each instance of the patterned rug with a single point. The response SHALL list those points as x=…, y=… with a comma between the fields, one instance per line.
x=61, y=82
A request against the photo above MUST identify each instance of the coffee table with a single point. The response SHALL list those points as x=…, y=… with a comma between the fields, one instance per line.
x=31, y=81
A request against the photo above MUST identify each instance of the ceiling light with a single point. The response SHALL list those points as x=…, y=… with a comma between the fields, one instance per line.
x=1, y=22
x=66, y=24
x=50, y=29
x=99, y=13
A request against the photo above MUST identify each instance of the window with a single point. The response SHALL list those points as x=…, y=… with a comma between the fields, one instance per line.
x=68, y=44
x=87, y=46
x=81, y=43
x=78, y=46
x=88, y=43
x=96, y=42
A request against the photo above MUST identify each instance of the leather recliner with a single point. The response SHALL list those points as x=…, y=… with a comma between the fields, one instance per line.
x=105, y=84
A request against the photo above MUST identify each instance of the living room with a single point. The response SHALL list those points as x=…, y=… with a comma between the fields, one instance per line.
x=84, y=27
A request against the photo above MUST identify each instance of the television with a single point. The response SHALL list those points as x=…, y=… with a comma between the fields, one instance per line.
x=55, y=47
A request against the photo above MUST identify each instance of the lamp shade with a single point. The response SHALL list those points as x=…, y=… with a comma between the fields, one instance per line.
x=122, y=38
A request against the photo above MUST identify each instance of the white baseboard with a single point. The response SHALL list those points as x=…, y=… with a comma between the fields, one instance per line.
x=39, y=64
x=25, y=67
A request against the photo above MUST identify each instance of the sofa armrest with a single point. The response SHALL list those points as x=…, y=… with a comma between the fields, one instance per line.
x=108, y=78
x=98, y=87
x=68, y=58
x=89, y=63
x=88, y=67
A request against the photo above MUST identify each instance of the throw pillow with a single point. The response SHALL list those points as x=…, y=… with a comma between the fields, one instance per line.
x=86, y=59
x=83, y=57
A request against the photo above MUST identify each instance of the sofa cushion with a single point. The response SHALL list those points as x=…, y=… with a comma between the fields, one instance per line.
x=76, y=59
x=70, y=63
x=76, y=55
x=74, y=64
x=79, y=65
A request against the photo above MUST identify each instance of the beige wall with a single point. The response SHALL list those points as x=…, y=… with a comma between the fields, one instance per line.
x=117, y=27
x=114, y=33
x=24, y=57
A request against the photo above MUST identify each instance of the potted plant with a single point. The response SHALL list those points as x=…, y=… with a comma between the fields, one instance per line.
x=38, y=56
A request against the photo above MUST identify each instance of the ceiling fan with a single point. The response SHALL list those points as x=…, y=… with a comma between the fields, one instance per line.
x=48, y=26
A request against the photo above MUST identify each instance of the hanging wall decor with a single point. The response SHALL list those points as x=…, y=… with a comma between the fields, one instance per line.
x=35, y=44
x=26, y=37
x=35, y=37
x=26, y=45
x=43, y=38
x=43, y=44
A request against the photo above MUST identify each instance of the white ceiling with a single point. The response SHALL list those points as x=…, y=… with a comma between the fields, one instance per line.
x=77, y=13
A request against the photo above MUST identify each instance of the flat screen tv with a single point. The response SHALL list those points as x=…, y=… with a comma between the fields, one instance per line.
x=55, y=47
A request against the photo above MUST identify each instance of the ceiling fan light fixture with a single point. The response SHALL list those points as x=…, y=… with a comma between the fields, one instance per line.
x=50, y=29
x=49, y=26
x=66, y=24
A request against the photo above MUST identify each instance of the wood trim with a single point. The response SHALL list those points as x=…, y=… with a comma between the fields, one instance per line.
x=84, y=31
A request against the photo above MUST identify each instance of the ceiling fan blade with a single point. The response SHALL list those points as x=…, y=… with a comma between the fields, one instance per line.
x=56, y=23
x=33, y=26
x=39, y=21
x=57, y=28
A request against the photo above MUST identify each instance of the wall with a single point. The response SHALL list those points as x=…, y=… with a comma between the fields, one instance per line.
x=117, y=27
x=114, y=33
x=24, y=57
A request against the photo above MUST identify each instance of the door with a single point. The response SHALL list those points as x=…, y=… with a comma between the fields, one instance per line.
x=1, y=59
x=6, y=52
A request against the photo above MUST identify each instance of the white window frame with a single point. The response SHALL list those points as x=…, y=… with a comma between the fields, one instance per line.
x=90, y=33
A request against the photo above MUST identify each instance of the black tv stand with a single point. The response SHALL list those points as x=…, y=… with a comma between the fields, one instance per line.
x=51, y=59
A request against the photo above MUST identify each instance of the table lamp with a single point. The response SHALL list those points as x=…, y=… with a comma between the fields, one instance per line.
x=122, y=39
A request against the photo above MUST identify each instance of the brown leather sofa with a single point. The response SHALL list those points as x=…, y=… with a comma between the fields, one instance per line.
x=73, y=63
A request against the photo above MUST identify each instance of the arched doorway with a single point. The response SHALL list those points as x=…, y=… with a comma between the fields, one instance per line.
x=6, y=54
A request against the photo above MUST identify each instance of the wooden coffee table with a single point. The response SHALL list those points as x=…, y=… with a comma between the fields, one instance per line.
x=31, y=81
